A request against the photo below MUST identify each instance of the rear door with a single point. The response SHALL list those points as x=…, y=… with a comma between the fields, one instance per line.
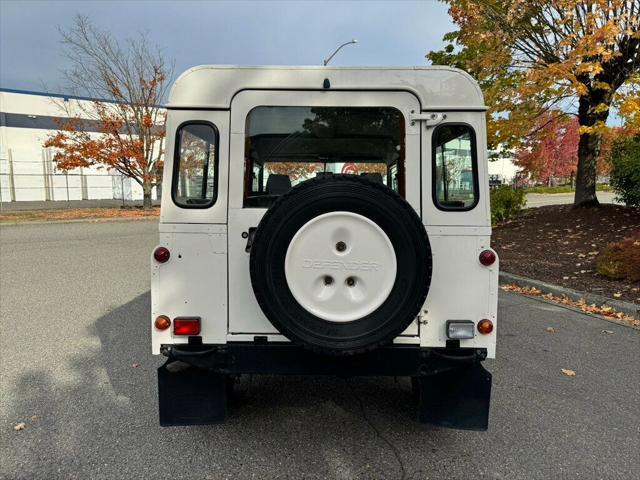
x=280, y=138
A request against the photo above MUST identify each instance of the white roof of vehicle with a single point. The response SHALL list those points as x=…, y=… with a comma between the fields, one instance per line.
x=214, y=86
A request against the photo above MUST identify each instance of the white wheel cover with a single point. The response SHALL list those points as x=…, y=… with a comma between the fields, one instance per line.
x=340, y=286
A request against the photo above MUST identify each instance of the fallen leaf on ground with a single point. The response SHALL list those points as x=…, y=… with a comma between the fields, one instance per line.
x=568, y=373
x=617, y=295
x=604, y=310
x=19, y=426
x=551, y=330
x=97, y=214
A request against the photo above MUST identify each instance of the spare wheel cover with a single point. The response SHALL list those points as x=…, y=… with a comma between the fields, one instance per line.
x=340, y=265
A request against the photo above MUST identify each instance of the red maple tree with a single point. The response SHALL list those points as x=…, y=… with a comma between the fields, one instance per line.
x=551, y=150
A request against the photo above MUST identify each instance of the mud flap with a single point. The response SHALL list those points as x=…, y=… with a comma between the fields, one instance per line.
x=190, y=396
x=457, y=398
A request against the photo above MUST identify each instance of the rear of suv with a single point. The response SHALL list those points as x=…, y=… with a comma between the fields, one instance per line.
x=325, y=221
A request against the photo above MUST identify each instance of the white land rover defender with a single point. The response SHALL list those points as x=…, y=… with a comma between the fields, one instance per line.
x=331, y=221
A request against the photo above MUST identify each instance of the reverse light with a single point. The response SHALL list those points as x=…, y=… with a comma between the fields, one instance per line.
x=161, y=254
x=487, y=257
x=485, y=326
x=460, y=329
x=186, y=326
x=162, y=322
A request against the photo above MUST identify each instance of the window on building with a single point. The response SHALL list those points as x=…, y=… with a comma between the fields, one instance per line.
x=455, y=169
x=195, y=182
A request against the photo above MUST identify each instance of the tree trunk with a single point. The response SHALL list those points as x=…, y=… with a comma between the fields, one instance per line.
x=146, y=198
x=588, y=150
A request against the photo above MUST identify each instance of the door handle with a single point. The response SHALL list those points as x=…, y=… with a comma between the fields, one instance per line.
x=249, y=236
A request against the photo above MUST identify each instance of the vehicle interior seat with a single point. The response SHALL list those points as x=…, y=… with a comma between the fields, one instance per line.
x=374, y=177
x=278, y=184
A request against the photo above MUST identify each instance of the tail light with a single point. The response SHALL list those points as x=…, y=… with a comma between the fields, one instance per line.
x=487, y=257
x=485, y=326
x=162, y=322
x=161, y=254
x=186, y=326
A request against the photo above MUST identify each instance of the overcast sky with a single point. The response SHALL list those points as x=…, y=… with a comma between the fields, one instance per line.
x=207, y=32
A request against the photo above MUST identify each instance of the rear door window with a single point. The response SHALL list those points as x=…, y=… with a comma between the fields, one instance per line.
x=455, y=169
x=286, y=145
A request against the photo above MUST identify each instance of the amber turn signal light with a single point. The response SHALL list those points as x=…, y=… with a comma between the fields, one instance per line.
x=162, y=322
x=485, y=326
x=487, y=257
x=161, y=254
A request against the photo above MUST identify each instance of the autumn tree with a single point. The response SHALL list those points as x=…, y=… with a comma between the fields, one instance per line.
x=131, y=81
x=533, y=57
x=551, y=150
x=611, y=136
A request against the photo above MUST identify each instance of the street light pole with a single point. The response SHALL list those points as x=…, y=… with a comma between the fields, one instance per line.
x=326, y=61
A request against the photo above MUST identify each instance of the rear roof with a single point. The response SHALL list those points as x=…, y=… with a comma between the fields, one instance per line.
x=214, y=86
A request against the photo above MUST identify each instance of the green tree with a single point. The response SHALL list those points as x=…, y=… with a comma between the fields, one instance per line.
x=625, y=170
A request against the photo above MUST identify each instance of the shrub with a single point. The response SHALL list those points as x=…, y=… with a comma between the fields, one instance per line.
x=625, y=170
x=621, y=260
x=506, y=203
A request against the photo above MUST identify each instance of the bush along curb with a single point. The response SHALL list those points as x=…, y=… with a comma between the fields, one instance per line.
x=627, y=308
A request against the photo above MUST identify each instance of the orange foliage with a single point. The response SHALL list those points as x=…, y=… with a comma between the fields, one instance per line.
x=130, y=149
x=581, y=57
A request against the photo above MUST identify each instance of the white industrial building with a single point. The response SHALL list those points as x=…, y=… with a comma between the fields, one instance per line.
x=27, y=170
x=503, y=169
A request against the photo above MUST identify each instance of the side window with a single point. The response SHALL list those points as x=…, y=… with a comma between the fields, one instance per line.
x=195, y=182
x=455, y=169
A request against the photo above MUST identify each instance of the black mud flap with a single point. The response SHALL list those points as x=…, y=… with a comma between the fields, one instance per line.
x=457, y=398
x=190, y=396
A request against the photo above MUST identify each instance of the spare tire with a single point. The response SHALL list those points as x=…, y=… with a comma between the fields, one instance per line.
x=340, y=264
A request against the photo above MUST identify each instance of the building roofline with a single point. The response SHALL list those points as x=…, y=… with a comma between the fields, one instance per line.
x=54, y=95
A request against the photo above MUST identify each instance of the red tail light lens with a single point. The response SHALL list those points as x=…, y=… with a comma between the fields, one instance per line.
x=487, y=257
x=186, y=326
x=161, y=254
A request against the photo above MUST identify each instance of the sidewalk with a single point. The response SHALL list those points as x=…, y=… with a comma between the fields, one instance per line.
x=60, y=205
x=544, y=199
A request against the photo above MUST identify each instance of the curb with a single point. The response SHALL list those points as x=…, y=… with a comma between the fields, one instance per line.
x=76, y=220
x=628, y=308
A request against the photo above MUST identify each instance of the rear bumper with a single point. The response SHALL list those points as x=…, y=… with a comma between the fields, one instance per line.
x=289, y=359
x=450, y=386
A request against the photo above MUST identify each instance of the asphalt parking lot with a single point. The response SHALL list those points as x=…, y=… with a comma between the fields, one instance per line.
x=76, y=368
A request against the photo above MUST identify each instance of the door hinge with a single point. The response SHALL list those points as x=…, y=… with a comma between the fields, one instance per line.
x=430, y=119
